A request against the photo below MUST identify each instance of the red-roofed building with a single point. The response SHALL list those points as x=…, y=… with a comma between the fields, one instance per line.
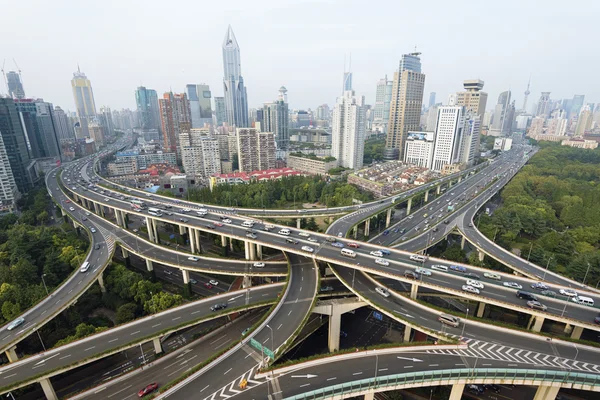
x=254, y=176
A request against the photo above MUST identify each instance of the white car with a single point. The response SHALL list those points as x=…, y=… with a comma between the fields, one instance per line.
x=376, y=253
x=87, y=213
x=476, y=284
x=492, y=275
x=382, y=291
x=568, y=292
x=213, y=282
x=192, y=258
x=381, y=261
x=312, y=239
x=15, y=323
x=410, y=216
x=93, y=230
x=471, y=289
x=423, y=271
x=513, y=285
x=308, y=249
x=226, y=221
x=72, y=208
x=259, y=265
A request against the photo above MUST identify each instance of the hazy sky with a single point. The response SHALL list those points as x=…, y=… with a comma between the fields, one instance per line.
x=121, y=44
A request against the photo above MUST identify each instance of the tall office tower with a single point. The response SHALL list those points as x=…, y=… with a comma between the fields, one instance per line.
x=576, y=105
x=9, y=192
x=236, y=99
x=543, y=106
x=200, y=153
x=37, y=121
x=15, y=86
x=175, y=115
x=106, y=120
x=255, y=149
x=381, y=111
x=201, y=109
x=97, y=133
x=419, y=148
x=348, y=130
x=407, y=98
x=432, y=117
x=527, y=93
x=584, y=121
x=275, y=118
x=448, y=136
x=220, y=111
x=503, y=116
x=84, y=100
x=15, y=144
x=322, y=112
x=469, y=150
x=474, y=101
x=64, y=129
x=431, y=99
x=148, y=111
x=347, y=85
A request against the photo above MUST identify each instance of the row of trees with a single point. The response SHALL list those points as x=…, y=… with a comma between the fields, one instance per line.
x=373, y=150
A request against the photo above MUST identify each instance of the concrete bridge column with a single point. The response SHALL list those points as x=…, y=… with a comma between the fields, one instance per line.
x=118, y=217
x=438, y=189
x=546, y=392
x=247, y=282
x=367, y=226
x=408, y=206
x=186, y=276
x=537, y=326
x=74, y=223
x=182, y=229
x=426, y=196
x=462, y=243
x=149, y=265
x=48, y=389
x=249, y=250
x=480, y=254
x=407, y=332
x=224, y=244
x=192, y=239
x=460, y=179
x=355, y=232
x=101, y=283
x=335, y=324
x=156, y=238
x=576, y=333
x=150, y=230
x=414, y=288
x=124, y=219
x=369, y=396
x=299, y=223
x=457, y=391
x=480, y=309
x=157, y=346
x=259, y=254
x=388, y=217
x=102, y=211
x=11, y=354
x=197, y=236
x=96, y=208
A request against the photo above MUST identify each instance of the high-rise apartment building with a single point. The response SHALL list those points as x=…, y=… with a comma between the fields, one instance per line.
x=15, y=144
x=469, y=150
x=236, y=99
x=275, y=118
x=200, y=104
x=419, y=148
x=64, y=129
x=199, y=153
x=105, y=119
x=584, y=121
x=474, y=101
x=576, y=105
x=148, y=111
x=543, y=105
x=175, y=115
x=9, y=192
x=97, y=133
x=220, y=112
x=407, y=98
x=15, y=86
x=381, y=111
x=37, y=121
x=431, y=99
x=448, y=136
x=255, y=149
x=348, y=130
x=84, y=100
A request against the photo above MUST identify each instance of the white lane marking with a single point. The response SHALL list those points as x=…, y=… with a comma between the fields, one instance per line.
x=205, y=387
x=332, y=379
x=227, y=371
x=306, y=384
x=357, y=373
x=175, y=319
x=63, y=357
x=90, y=348
x=134, y=333
x=114, y=340
x=46, y=359
x=154, y=326
x=9, y=376
x=122, y=390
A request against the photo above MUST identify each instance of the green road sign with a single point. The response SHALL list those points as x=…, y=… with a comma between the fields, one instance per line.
x=258, y=346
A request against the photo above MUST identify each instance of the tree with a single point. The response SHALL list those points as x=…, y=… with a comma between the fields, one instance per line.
x=454, y=253
x=162, y=301
x=127, y=312
x=144, y=290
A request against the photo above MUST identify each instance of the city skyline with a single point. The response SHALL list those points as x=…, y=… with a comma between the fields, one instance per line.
x=314, y=54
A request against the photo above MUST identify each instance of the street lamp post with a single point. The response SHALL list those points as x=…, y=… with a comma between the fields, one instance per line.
x=530, y=248
x=41, y=341
x=586, y=273
x=464, y=323
x=143, y=357
x=48, y=293
x=272, y=347
x=546, y=270
x=11, y=395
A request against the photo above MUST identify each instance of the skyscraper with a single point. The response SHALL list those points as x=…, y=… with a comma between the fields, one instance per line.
x=275, y=118
x=15, y=144
x=15, y=86
x=407, y=98
x=105, y=119
x=8, y=187
x=176, y=118
x=347, y=81
x=576, y=105
x=199, y=96
x=255, y=150
x=504, y=115
x=348, y=130
x=37, y=121
x=236, y=99
x=474, y=101
x=220, y=112
x=200, y=153
x=146, y=101
x=64, y=129
x=448, y=136
x=84, y=100
x=381, y=111
x=584, y=121
x=431, y=99
x=543, y=106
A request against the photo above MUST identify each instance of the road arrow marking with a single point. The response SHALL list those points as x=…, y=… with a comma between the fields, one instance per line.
x=236, y=297
x=307, y=376
x=46, y=359
x=409, y=359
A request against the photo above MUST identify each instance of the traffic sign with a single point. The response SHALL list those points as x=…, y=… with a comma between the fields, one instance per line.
x=258, y=346
x=378, y=315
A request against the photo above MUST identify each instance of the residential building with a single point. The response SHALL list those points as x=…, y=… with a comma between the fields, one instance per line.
x=311, y=164
x=15, y=86
x=84, y=101
x=148, y=110
x=419, y=148
x=275, y=118
x=38, y=125
x=105, y=119
x=220, y=112
x=584, y=121
x=175, y=115
x=97, y=133
x=405, y=106
x=448, y=136
x=64, y=129
x=348, y=130
x=469, y=149
x=15, y=144
x=580, y=143
x=200, y=104
x=383, y=99
x=127, y=167
x=236, y=99
x=252, y=176
x=255, y=149
x=199, y=154
x=9, y=192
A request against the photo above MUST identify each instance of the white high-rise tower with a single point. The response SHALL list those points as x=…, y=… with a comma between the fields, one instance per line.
x=236, y=99
x=348, y=130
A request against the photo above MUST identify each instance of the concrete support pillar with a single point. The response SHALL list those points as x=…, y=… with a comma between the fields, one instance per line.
x=414, y=288
x=192, y=239
x=247, y=249
x=101, y=283
x=230, y=244
x=48, y=389
x=438, y=189
x=480, y=309
x=124, y=219
x=408, y=206
x=480, y=255
x=407, y=332
x=11, y=354
x=223, y=240
x=388, y=217
x=74, y=223
x=118, y=217
x=462, y=243
x=568, y=329
x=426, y=196
x=537, y=326
x=63, y=212
x=149, y=265
x=259, y=255
x=181, y=229
x=198, y=244
x=369, y=396
x=460, y=179
x=124, y=252
x=186, y=276
x=156, y=238
x=356, y=232
x=457, y=391
x=299, y=223
x=150, y=230
x=247, y=282
x=96, y=209
x=157, y=346
x=335, y=324
x=101, y=210
x=367, y=226
x=546, y=392
x=576, y=334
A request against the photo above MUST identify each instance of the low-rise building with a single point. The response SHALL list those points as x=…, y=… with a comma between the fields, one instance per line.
x=311, y=164
x=254, y=176
x=580, y=143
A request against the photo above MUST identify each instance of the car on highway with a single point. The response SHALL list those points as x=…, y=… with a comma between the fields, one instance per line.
x=209, y=226
x=474, y=283
x=376, y=253
x=213, y=282
x=67, y=201
x=513, y=285
x=491, y=275
x=258, y=265
x=192, y=258
x=338, y=244
x=290, y=240
x=245, y=331
x=382, y=291
x=536, y=305
x=72, y=208
x=385, y=252
x=251, y=235
x=381, y=261
x=285, y=232
x=185, y=220
x=313, y=240
x=549, y=293
x=216, y=223
x=226, y=221
x=92, y=229
x=193, y=281
x=340, y=234
x=568, y=292
x=148, y=389
x=471, y=289
x=597, y=319
x=326, y=288
x=386, y=232
x=539, y=286
x=17, y=322
x=353, y=245
x=87, y=213
x=208, y=285
x=472, y=275
x=411, y=274
x=218, y=306
x=423, y=271
x=308, y=249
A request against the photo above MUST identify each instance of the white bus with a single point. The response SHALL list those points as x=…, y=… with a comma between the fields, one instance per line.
x=155, y=211
x=202, y=212
x=138, y=205
x=348, y=253
x=248, y=224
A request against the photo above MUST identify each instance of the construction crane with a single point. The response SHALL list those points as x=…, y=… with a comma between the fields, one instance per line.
x=20, y=77
x=4, y=75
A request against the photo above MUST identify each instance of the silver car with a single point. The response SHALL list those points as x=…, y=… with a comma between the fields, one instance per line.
x=17, y=322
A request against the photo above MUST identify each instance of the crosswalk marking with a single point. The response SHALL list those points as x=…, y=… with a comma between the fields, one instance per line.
x=231, y=389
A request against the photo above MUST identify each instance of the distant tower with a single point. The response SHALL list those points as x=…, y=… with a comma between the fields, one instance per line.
x=527, y=92
x=236, y=98
x=347, y=76
x=283, y=94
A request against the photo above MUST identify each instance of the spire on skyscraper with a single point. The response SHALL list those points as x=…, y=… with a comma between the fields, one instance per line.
x=527, y=92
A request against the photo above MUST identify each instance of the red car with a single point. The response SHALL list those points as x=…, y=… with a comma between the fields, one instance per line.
x=218, y=224
x=355, y=245
x=68, y=201
x=208, y=285
x=148, y=389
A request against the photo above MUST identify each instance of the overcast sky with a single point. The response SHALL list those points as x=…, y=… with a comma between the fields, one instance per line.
x=121, y=44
